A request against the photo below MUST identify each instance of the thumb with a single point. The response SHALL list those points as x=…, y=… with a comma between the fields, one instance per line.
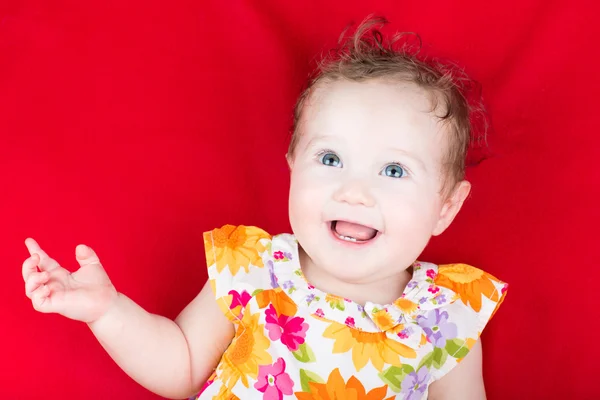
x=85, y=255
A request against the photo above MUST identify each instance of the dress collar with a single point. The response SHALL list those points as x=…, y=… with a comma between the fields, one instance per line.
x=397, y=320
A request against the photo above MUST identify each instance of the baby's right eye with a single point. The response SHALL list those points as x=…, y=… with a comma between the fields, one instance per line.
x=330, y=159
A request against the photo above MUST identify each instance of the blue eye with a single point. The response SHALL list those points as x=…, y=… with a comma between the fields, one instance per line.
x=330, y=159
x=394, y=171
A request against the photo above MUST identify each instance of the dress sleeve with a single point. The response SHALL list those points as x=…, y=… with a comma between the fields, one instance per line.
x=478, y=295
x=235, y=264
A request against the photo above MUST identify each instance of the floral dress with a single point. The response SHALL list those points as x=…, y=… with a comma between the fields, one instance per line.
x=294, y=341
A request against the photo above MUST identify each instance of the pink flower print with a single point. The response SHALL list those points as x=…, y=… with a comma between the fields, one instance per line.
x=311, y=287
x=431, y=274
x=350, y=322
x=273, y=381
x=291, y=331
x=278, y=255
x=433, y=289
x=239, y=301
x=504, y=288
x=319, y=312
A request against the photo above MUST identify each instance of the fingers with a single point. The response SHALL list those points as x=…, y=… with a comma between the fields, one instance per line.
x=30, y=266
x=45, y=262
x=40, y=299
x=34, y=281
x=85, y=255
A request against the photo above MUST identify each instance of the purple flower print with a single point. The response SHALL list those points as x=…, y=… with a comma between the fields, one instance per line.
x=288, y=284
x=415, y=384
x=411, y=284
x=422, y=300
x=441, y=299
x=274, y=283
x=310, y=298
x=437, y=328
x=405, y=333
x=288, y=255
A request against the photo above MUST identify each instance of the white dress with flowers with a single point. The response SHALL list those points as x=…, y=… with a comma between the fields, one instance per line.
x=294, y=341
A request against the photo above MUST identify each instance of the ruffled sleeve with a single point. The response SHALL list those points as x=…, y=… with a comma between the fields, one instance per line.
x=477, y=296
x=479, y=291
x=235, y=266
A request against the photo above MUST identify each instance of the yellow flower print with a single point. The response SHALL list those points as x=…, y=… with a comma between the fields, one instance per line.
x=247, y=352
x=225, y=394
x=367, y=346
x=337, y=389
x=234, y=247
x=406, y=306
x=469, y=283
x=383, y=320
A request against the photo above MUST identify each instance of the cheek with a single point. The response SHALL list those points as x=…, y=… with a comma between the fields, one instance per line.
x=411, y=210
x=306, y=197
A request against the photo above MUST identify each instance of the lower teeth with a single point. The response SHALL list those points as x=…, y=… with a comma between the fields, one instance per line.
x=348, y=238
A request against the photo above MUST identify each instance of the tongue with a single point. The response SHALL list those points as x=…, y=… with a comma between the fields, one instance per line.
x=356, y=231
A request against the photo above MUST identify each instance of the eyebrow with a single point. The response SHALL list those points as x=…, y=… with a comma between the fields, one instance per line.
x=411, y=156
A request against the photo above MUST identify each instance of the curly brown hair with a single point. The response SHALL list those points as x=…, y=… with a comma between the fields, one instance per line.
x=366, y=54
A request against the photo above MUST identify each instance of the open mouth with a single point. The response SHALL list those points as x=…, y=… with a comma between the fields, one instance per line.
x=352, y=232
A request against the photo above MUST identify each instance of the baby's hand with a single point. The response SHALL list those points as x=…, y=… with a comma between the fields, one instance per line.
x=84, y=295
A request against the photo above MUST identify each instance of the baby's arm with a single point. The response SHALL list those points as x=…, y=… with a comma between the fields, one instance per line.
x=463, y=382
x=170, y=358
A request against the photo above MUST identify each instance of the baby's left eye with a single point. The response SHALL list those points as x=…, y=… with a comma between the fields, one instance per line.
x=394, y=171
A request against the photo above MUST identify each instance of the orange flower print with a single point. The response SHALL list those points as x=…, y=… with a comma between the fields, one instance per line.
x=337, y=389
x=406, y=306
x=367, y=346
x=225, y=394
x=280, y=300
x=247, y=351
x=234, y=247
x=469, y=283
x=384, y=320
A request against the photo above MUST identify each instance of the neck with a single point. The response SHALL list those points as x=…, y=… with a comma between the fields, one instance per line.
x=384, y=290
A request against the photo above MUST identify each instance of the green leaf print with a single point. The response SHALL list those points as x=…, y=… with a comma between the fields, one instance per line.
x=426, y=361
x=439, y=357
x=307, y=377
x=304, y=354
x=393, y=376
x=257, y=291
x=457, y=348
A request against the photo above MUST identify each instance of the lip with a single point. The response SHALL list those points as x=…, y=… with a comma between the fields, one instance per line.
x=348, y=243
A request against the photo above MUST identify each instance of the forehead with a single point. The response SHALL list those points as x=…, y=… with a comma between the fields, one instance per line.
x=373, y=115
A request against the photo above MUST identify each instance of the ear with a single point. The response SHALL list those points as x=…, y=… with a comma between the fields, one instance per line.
x=452, y=206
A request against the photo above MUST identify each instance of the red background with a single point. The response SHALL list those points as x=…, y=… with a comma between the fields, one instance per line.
x=135, y=127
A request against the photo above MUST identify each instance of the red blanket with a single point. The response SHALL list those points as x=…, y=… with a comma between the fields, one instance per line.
x=136, y=126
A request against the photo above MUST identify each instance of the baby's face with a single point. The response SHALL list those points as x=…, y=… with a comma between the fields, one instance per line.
x=366, y=178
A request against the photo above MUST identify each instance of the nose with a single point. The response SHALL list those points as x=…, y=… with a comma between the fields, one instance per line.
x=354, y=192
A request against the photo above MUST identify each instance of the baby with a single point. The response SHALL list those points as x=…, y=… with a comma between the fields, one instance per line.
x=340, y=309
